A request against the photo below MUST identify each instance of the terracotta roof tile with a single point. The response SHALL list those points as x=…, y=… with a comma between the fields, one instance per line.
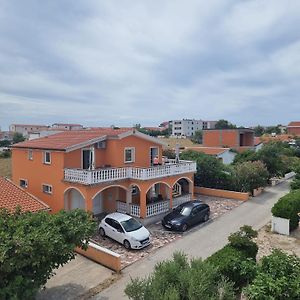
x=66, y=139
x=257, y=140
x=12, y=196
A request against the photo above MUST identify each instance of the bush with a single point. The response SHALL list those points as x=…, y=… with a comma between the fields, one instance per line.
x=288, y=207
x=278, y=278
x=242, y=241
x=295, y=184
x=249, y=176
x=234, y=265
x=236, y=261
x=178, y=279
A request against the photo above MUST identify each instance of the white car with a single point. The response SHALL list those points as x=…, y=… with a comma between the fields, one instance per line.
x=125, y=230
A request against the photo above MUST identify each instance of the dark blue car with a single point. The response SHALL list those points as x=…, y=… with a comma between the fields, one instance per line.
x=186, y=215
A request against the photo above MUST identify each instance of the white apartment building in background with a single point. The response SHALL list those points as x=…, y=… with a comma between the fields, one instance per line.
x=188, y=127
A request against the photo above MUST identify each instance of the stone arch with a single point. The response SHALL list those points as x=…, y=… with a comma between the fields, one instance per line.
x=73, y=198
x=158, y=191
x=105, y=200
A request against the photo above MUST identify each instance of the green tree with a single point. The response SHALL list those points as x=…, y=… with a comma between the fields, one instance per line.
x=224, y=124
x=271, y=155
x=211, y=172
x=250, y=175
x=247, y=155
x=34, y=244
x=18, y=137
x=259, y=130
x=197, y=137
x=278, y=278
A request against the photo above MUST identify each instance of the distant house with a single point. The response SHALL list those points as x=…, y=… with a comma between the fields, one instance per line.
x=294, y=128
x=223, y=154
x=66, y=126
x=25, y=129
x=6, y=136
x=239, y=139
x=188, y=127
x=13, y=196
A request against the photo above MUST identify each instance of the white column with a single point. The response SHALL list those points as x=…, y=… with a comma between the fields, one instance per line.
x=128, y=200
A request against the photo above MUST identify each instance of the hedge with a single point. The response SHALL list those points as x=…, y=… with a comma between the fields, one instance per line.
x=288, y=207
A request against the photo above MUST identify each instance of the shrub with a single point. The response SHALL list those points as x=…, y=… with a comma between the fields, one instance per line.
x=242, y=241
x=278, y=278
x=250, y=175
x=178, y=279
x=288, y=207
x=295, y=184
x=234, y=265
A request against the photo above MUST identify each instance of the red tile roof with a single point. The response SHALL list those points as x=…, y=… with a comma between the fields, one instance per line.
x=257, y=140
x=279, y=137
x=294, y=124
x=66, y=139
x=12, y=196
x=208, y=150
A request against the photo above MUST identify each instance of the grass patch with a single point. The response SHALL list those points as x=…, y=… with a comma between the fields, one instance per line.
x=5, y=167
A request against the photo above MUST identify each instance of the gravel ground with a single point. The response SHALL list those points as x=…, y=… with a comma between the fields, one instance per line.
x=160, y=236
x=268, y=240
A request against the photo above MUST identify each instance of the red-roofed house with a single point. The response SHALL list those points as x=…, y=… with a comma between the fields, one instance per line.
x=223, y=154
x=102, y=170
x=294, y=128
x=13, y=196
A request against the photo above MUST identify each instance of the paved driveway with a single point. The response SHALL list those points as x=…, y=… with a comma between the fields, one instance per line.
x=74, y=279
x=206, y=241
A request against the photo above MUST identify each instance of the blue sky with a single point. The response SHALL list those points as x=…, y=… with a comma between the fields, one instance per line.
x=100, y=63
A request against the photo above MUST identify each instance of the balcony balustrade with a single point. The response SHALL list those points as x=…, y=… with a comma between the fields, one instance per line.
x=88, y=177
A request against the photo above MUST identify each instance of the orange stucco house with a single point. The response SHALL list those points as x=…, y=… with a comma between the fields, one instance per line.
x=102, y=170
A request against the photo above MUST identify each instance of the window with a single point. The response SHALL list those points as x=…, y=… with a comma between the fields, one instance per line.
x=23, y=183
x=30, y=154
x=134, y=190
x=47, y=188
x=47, y=157
x=129, y=155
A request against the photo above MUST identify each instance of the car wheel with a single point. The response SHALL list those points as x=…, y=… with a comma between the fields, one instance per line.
x=127, y=245
x=206, y=217
x=184, y=227
x=102, y=232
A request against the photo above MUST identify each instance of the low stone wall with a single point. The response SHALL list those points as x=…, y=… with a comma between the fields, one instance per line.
x=102, y=256
x=221, y=193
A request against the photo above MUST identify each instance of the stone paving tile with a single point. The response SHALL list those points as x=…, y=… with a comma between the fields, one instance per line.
x=160, y=236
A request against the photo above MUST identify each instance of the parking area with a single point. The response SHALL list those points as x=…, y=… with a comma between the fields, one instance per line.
x=161, y=237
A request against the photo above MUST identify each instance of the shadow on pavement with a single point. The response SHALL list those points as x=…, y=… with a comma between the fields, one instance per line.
x=62, y=292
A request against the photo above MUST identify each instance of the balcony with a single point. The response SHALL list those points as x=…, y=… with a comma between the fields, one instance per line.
x=88, y=177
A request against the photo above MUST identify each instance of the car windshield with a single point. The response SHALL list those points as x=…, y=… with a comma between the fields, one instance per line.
x=184, y=210
x=131, y=225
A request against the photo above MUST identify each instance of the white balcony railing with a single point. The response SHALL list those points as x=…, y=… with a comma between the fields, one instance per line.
x=157, y=208
x=88, y=177
x=181, y=199
x=121, y=207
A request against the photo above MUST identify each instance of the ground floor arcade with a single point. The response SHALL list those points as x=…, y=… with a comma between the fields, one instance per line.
x=140, y=199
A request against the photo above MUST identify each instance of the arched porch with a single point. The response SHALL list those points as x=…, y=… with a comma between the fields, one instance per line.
x=73, y=199
x=182, y=191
